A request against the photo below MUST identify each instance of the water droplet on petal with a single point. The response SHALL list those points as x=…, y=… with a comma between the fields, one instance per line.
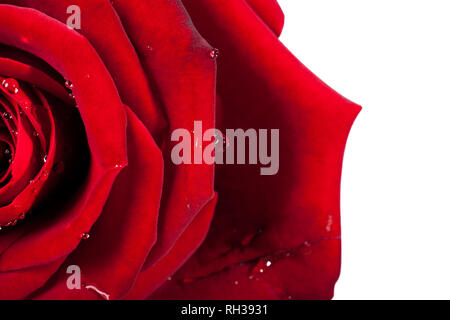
x=214, y=53
x=35, y=134
x=261, y=267
x=329, y=223
x=306, y=248
x=69, y=85
x=85, y=236
x=7, y=151
x=11, y=85
x=236, y=283
x=71, y=95
x=22, y=216
x=44, y=159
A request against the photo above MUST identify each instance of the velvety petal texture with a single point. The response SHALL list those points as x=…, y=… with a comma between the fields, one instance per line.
x=86, y=174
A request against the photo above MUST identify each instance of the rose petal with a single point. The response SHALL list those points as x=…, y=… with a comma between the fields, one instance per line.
x=122, y=237
x=150, y=279
x=18, y=194
x=302, y=275
x=259, y=215
x=270, y=12
x=95, y=91
x=30, y=74
x=19, y=284
x=185, y=78
x=133, y=86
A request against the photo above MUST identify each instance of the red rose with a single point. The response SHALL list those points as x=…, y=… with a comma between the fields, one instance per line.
x=87, y=179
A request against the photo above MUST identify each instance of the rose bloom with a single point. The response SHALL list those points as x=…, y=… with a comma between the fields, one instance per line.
x=86, y=176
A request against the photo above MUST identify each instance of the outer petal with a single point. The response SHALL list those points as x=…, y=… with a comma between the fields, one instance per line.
x=18, y=284
x=122, y=237
x=270, y=12
x=184, y=75
x=259, y=216
x=299, y=273
x=150, y=279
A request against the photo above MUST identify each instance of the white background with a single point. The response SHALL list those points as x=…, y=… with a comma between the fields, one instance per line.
x=393, y=58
